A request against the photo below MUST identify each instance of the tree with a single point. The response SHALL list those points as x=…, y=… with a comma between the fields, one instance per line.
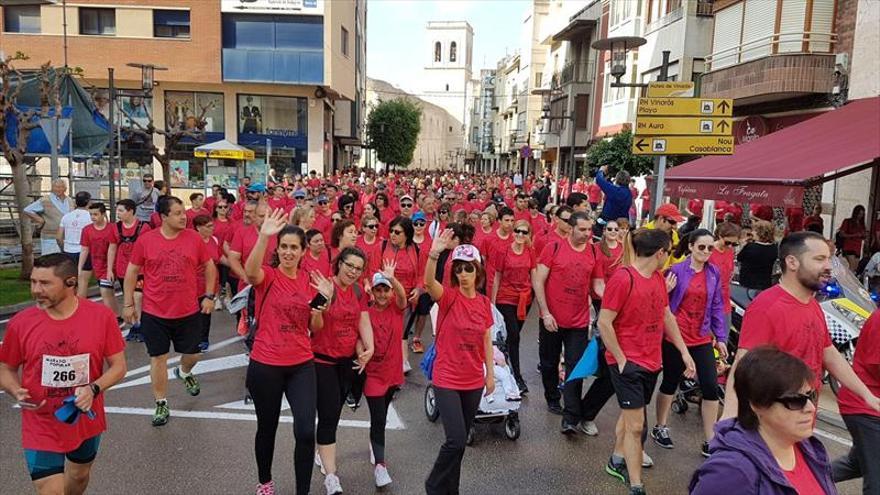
x=393, y=129
x=15, y=151
x=175, y=133
x=616, y=153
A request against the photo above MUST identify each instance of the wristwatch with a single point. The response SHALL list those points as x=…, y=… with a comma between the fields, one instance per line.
x=96, y=389
x=210, y=297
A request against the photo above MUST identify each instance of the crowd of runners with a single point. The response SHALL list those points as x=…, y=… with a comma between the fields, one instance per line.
x=335, y=281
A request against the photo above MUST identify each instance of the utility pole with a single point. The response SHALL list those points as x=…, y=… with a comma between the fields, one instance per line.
x=111, y=169
x=660, y=161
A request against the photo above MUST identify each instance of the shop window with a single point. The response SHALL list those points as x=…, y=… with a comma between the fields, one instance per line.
x=182, y=109
x=282, y=119
x=171, y=23
x=97, y=22
x=21, y=19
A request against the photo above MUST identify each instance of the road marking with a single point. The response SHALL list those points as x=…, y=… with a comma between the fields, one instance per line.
x=204, y=367
x=176, y=359
x=392, y=423
x=833, y=437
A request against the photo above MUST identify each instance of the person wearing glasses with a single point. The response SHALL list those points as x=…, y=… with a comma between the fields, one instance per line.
x=146, y=198
x=342, y=341
x=406, y=206
x=788, y=316
x=511, y=291
x=443, y=218
x=464, y=351
x=496, y=244
x=727, y=236
x=404, y=252
x=323, y=216
x=370, y=243
x=769, y=447
x=223, y=229
x=666, y=218
x=696, y=301
x=560, y=229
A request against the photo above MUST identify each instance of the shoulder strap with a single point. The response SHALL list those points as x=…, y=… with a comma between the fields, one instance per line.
x=358, y=293
x=119, y=228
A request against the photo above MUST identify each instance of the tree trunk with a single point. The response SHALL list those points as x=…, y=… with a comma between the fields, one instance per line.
x=22, y=190
x=166, y=173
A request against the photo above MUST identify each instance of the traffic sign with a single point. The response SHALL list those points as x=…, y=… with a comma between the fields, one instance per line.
x=684, y=107
x=673, y=89
x=682, y=145
x=684, y=126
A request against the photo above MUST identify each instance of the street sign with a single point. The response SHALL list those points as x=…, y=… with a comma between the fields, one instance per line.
x=685, y=107
x=682, y=145
x=684, y=126
x=672, y=89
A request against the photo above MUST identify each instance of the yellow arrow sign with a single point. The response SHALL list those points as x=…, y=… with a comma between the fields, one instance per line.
x=683, y=107
x=676, y=89
x=682, y=145
x=684, y=126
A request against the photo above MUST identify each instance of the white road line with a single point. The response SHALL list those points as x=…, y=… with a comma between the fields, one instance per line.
x=390, y=424
x=833, y=437
x=176, y=359
x=203, y=367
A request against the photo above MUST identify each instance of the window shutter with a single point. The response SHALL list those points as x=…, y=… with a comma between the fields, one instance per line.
x=758, y=27
x=792, y=21
x=728, y=28
x=823, y=19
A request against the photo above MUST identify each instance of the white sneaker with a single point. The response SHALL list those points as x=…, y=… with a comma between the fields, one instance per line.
x=372, y=457
x=319, y=463
x=589, y=428
x=406, y=366
x=647, y=462
x=332, y=485
x=383, y=479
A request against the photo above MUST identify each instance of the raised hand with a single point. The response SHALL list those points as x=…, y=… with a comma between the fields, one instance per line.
x=388, y=267
x=443, y=241
x=322, y=284
x=274, y=222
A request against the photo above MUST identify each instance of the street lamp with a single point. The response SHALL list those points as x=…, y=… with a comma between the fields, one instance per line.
x=619, y=46
x=148, y=80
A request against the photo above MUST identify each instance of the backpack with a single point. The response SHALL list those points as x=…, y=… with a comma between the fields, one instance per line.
x=129, y=238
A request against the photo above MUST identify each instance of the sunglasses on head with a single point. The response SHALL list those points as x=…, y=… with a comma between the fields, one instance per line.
x=420, y=223
x=798, y=402
x=705, y=247
x=521, y=231
x=465, y=267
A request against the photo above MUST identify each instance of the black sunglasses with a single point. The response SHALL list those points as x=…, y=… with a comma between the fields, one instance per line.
x=406, y=205
x=443, y=212
x=396, y=231
x=465, y=267
x=372, y=226
x=521, y=231
x=798, y=402
x=222, y=207
x=322, y=203
x=420, y=223
x=704, y=247
x=147, y=181
x=731, y=244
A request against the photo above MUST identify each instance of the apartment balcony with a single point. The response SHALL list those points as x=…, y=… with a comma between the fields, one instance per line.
x=666, y=20
x=573, y=73
x=777, y=67
x=704, y=8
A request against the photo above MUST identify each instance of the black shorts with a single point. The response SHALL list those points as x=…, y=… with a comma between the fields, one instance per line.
x=87, y=264
x=634, y=387
x=159, y=333
x=423, y=305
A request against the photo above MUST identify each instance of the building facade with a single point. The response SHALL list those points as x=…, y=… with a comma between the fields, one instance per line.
x=284, y=79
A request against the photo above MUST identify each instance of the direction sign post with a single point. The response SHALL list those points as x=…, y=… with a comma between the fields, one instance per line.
x=682, y=145
x=683, y=126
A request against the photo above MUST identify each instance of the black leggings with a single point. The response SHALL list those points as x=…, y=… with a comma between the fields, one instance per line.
x=267, y=384
x=334, y=383
x=514, y=326
x=673, y=367
x=457, y=411
x=378, y=416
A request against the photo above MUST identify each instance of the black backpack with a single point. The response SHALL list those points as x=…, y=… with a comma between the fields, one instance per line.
x=129, y=238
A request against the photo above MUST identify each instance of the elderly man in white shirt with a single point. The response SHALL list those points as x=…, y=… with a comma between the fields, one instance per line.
x=47, y=212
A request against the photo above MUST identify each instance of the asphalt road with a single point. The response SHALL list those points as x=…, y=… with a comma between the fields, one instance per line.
x=207, y=447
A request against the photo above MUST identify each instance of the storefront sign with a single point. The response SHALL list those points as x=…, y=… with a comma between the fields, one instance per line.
x=770, y=194
x=299, y=7
x=282, y=119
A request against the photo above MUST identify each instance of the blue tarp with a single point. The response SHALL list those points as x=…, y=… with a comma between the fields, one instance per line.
x=38, y=143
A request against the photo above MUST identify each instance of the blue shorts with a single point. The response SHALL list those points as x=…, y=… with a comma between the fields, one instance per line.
x=42, y=464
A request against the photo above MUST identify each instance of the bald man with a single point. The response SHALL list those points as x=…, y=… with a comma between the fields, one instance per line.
x=46, y=213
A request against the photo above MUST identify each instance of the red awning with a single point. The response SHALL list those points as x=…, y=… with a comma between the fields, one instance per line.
x=776, y=168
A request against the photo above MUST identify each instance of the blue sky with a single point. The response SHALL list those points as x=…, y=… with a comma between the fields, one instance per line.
x=395, y=33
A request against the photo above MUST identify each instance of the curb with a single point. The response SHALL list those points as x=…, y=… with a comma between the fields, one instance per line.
x=8, y=311
x=831, y=418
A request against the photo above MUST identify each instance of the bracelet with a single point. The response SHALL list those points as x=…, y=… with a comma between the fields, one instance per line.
x=434, y=257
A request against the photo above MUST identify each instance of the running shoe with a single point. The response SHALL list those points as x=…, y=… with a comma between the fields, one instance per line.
x=332, y=484
x=190, y=382
x=266, y=488
x=417, y=346
x=523, y=388
x=372, y=456
x=554, y=407
x=647, y=462
x=134, y=334
x=160, y=417
x=203, y=345
x=319, y=463
x=617, y=470
x=383, y=479
x=660, y=434
x=568, y=428
x=588, y=428
x=351, y=403
x=637, y=490
x=704, y=449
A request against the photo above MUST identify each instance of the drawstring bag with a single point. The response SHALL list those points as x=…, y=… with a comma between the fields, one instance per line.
x=589, y=363
x=427, y=363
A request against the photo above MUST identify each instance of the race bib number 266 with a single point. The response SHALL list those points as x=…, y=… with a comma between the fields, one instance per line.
x=65, y=371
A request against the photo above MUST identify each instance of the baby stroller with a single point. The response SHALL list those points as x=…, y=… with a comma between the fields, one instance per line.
x=689, y=389
x=494, y=409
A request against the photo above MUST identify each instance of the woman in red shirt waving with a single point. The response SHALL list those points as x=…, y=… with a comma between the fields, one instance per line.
x=281, y=360
x=385, y=369
x=342, y=340
x=512, y=291
x=464, y=353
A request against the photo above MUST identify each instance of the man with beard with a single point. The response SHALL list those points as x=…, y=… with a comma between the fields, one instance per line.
x=60, y=346
x=789, y=317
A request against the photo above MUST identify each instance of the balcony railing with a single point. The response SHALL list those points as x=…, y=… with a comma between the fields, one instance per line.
x=573, y=73
x=704, y=7
x=666, y=20
x=778, y=43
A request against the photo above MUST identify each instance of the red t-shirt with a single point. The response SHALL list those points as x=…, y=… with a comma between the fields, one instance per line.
x=594, y=193
x=192, y=214
x=610, y=264
x=374, y=255
x=223, y=230
x=462, y=324
x=322, y=265
x=284, y=203
x=98, y=241
x=866, y=364
x=324, y=223
x=725, y=263
x=776, y=317
x=853, y=244
x=385, y=368
x=282, y=337
x=567, y=288
x=124, y=247
x=245, y=238
x=34, y=340
x=341, y=324
x=640, y=304
x=695, y=206
x=516, y=275
x=801, y=477
x=170, y=267
x=795, y=217
x=407, y=270
x=215, y=252
x=692, y=310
